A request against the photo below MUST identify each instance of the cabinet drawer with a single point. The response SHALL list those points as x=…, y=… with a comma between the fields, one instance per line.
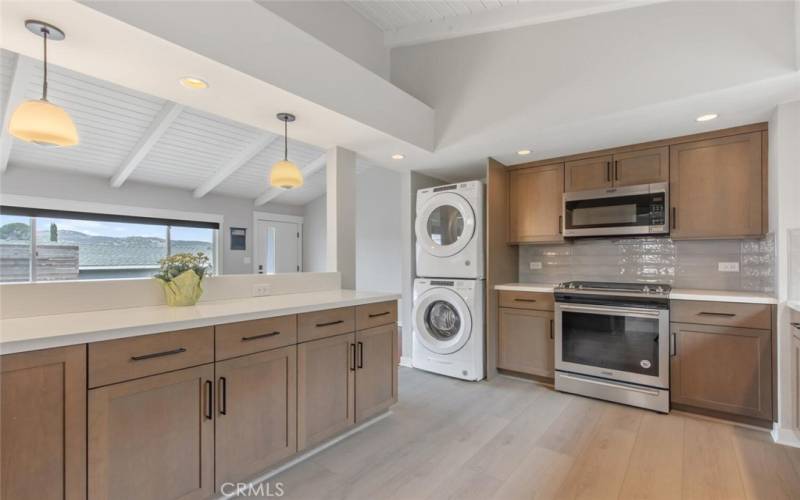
x=721, y=313
x=114, y=361
x=321, y=324
x=372, y=315
x=527, y=300
x=247, y=337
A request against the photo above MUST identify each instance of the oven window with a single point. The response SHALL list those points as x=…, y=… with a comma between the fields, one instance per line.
x=614, y=342
x=621, y=211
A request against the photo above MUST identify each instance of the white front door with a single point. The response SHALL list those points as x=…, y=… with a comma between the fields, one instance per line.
x=278, y=247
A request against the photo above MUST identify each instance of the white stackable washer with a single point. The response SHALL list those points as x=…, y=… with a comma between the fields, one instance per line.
x=448, y=327
x=449, y=230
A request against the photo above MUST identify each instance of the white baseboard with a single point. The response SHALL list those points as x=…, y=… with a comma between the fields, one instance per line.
x=406, y=361
x=786, y=437
x=308, y=454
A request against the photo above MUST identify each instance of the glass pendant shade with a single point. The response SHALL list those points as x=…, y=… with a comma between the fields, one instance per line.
x=286, y=175
x=42, y=122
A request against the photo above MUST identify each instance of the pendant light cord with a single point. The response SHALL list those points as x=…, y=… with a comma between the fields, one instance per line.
x=45, y=32
x=286, y=140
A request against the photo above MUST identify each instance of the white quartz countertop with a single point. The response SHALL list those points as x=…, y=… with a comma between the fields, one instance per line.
x=41, y=332
x=794, y=304
x=676, y=294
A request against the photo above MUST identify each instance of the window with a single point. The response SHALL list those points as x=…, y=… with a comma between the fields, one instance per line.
x=47, y=245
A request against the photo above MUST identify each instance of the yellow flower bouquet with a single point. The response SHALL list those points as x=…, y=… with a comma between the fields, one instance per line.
x=181, y=277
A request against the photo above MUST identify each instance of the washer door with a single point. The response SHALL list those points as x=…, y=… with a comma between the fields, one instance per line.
x=442, y=320
x=445, y=225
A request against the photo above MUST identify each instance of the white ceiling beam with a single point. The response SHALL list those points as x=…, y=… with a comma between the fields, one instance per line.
x=160, y=124
x=272, y=193
x=235, y=164
x=23, y=73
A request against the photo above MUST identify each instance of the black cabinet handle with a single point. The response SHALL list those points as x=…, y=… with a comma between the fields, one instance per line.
x=616, y=170
x=329, y=323
x=209, y=400
x=261, y=336
x=674, y=218
x=552, y=327
x=223, y=398
x=384, y=313
x=608, y=171
x=673, y=344
x=352, y=357
x=724, y=315
x=524, y=300
x=795, y=325
x=361, y=355
x=158, y=354
x=560, y=223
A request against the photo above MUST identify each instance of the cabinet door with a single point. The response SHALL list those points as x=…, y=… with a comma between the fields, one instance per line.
x=641, y=167
x=716, y=188
x=535, y=198
x=722, y=368
x=525, y=341
x=325, y=388
x=590, y=173
x=153, y=438
x=43, y=424
x=256, y=413
x=376, y=370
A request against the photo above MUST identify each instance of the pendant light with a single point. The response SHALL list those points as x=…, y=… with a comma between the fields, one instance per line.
x=285, y=174
x=40, y=121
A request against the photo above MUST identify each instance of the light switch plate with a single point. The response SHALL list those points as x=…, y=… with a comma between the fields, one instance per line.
x=728, y=267
x=261, y=290
x=535, y=265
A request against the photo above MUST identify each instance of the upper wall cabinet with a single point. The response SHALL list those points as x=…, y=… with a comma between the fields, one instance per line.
x=534, y=210
x=622, y=169
x=717, y=188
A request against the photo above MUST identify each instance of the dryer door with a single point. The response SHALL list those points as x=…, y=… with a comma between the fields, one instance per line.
x=445, y=225
x=442, y=320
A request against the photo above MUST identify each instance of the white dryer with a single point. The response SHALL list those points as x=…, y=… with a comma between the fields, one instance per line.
x=449, y=229
x=448, y=327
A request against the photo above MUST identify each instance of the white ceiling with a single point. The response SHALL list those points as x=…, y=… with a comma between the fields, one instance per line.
x=393, y=14
x=112, y=119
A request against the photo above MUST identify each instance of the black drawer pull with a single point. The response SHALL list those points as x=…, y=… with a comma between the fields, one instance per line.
x=330, y=323
x=724, y=315
x=384, y=313
x=525, y=300
x=261, y=336
x=158, y=354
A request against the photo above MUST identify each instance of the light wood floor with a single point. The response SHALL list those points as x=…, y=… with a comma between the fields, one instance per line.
x=512, y=439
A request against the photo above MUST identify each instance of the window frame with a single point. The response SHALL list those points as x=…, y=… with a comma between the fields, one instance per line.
x=34, y=203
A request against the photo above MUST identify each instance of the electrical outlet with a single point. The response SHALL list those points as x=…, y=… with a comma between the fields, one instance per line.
x=728, y=267
x=261, y=290
x=535, y=265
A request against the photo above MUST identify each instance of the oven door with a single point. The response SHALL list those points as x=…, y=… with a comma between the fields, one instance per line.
x=617, y=211
x=628, y=344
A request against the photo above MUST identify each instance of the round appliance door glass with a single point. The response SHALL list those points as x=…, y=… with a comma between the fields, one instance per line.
x=445, y=225
x=442, y=320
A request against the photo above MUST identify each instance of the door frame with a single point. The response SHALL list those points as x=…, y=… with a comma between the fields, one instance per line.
x=273, y=217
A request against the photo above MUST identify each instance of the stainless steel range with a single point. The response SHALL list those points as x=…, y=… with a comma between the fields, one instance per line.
x=612, y=342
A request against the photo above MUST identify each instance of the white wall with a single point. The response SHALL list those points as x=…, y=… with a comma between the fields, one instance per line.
x=237, y=212
x=784, y=171
x=314, y=235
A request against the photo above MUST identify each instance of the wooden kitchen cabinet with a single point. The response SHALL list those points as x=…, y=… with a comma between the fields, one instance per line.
x=717, y=188
x=153, y=438
x=43, y=424
x=255, y=413
x=534, y=205
x=525, y=341
x=376, y=375
x=326, y=371
x=588, y=173
x=723, y=369
x=644, y=166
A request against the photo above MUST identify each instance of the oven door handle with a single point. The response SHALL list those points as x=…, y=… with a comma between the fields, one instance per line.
x=649, y=392
x=611, y=310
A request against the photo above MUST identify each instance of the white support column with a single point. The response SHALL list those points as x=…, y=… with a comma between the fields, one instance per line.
x=341, y=214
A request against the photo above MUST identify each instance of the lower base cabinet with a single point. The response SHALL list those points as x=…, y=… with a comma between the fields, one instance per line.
x=255, y=414
x=153, y=438
x=525, y=341
x=376, y=372
x=43, y=424
x=722, y=369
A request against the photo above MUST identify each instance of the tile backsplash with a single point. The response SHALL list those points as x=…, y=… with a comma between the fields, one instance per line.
x=682, y=264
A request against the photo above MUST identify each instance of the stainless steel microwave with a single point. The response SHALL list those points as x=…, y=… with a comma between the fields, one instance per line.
x=629, y=210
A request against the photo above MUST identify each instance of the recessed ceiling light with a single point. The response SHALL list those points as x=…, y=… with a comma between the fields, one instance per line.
x=706, y=118
x=192, y=82
x=398, y=156
x=524, y=152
